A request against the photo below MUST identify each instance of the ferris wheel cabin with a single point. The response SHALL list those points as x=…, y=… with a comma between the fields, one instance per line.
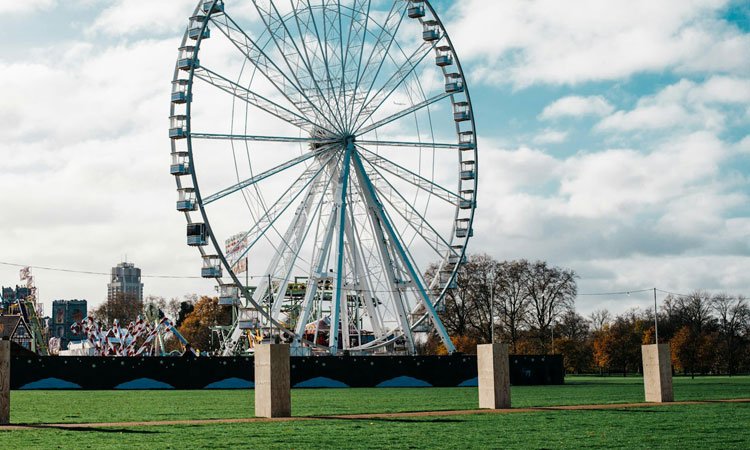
x=467, y=199
x=180, y=164
x=462, y=228
x=444, y=56
x=431, y=30
x=197, y=234
x=454, y=83
x=187, y=59
x=211, y=6
x=186, y=200
x=466, y=140
x=179, y=92
x=177, y=126
x=461, y=112
x=229, y=295
x=211, y=267
x=416, y=9
x=196, y=29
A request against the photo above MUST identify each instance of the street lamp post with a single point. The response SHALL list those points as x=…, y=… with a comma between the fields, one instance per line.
x=492, y=306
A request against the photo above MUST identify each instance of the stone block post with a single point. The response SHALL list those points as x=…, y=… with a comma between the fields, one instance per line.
x=657, y=373
x=4, y=381
x=494, y=376
x=273, y=396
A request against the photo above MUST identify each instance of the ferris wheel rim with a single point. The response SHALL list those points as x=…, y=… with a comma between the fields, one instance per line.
x=217, y=247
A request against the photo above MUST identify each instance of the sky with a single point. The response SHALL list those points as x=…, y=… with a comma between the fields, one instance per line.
x=614, y=140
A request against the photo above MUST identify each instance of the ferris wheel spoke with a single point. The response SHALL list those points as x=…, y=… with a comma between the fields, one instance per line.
x=261, y=176
x=377, y=57
x=270, y=70
x=345, y=54
x=322, y=46
x=333, y=40
x=281, y=205
x=410, y=177
x=310, y=62
x=254, y=99
x=402, y=113
x=434, y=145
x=251, y=138
x=286, y=45
x=350, y=112
x=409, y=213
x=402, y=253
x=399, y=76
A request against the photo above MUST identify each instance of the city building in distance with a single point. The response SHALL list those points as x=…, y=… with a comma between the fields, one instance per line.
x=125, y=283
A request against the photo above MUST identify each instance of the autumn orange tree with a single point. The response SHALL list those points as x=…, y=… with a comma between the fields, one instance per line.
x=196, y=328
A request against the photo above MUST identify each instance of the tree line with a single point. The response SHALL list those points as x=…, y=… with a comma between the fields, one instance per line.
x=533, y=306
x=193, y=316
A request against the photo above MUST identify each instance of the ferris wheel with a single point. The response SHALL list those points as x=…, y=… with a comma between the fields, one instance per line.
x=326, y=162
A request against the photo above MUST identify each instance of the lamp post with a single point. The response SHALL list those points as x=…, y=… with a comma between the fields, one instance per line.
x=492, y=306
x=656, y=320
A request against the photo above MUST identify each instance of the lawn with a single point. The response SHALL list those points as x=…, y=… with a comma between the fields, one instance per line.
x=117, y=406
x=707, y=425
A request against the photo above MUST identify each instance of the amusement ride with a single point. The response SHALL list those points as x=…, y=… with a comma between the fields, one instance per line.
x=329, y=149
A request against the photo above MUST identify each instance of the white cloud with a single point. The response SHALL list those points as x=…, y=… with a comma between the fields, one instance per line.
x=622, y=183
x=575, y=106
x=25, y=6
x=548, y=41
x=685, y=104
x=551, y=137
x=128, y=17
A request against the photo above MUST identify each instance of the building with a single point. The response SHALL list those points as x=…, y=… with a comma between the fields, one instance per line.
x=125, y=283
x=9, y=296
x=15, y=328
x=64, y=314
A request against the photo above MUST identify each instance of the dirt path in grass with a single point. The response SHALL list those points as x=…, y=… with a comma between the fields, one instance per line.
x=379, y=416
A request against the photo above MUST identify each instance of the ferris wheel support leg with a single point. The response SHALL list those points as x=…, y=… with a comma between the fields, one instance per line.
x=388, y=263
x=312, y=283
x=401, y=252
x=293, y=239
x=341, y=190
x=363, y=284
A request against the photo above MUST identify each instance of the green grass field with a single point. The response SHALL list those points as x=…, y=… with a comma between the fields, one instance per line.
x=708, y=425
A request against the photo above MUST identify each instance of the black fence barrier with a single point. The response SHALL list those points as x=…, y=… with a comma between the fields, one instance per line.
x=106, y=373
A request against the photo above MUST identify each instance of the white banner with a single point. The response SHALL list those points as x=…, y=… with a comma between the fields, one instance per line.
x=234, y=247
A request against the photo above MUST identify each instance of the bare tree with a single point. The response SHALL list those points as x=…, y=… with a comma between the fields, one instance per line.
x=733, y=313
x=476, y=281
x=694, y=310
x=599, y=319
x=122, y=307
x=552, y=291
x=512, y=297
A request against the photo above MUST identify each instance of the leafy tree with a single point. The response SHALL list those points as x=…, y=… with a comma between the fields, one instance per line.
x=685, y=345
x=196, y=328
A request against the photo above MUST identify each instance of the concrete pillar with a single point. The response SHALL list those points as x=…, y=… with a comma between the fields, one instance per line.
x=4, y=381
x=273, y=395
x=657, y=373
x=494, y=376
